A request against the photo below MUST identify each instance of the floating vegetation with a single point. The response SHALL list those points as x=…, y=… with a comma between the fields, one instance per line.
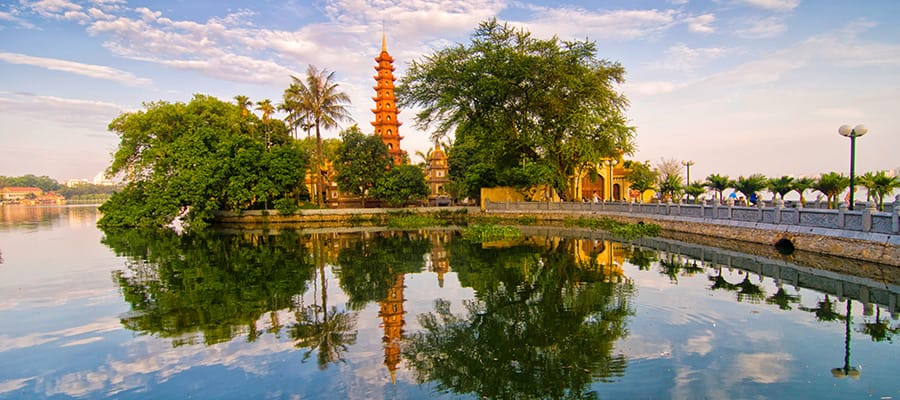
x=527, y=220
x=621, y=229
x=486, y=233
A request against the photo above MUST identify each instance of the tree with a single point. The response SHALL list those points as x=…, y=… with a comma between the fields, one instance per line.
x=266, y=110
x=45, y=183
x=880, y=185
x=521, y=106
x=750, y=185
x=641, y=177
x=243, y=103
x=318, y=98
x=195, y=156
x=695, y=189
x=668, y=173
x=362, y=160
x=780, y=186
x=718, y=183
x=831, y=185
x=800, y=185
x=400, y=185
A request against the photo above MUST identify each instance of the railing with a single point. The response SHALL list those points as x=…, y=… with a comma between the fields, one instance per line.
x=867, y=220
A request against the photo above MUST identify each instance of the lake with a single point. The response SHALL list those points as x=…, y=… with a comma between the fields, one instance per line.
x=369, y=314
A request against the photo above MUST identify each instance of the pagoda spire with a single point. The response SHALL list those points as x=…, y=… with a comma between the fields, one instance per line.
x=386, y=124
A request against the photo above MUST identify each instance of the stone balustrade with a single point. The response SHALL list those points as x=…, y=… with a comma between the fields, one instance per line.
x=867, y=220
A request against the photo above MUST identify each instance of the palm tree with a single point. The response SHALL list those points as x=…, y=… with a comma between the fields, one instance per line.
x=879, y=185
x=694, y=190
x=750, y=185
x=780, y=186
x=319, y=98
x=266, y=108
x=718, y=183
x=243, y=102
x=801, y=184
x=831, y=185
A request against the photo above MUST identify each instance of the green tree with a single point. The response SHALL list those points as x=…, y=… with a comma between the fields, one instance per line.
x=750, y=185
x=670, y=186
x=880, y=185
x=244, y=103
x=400, y=185
x=319, y=98
x=361, y=161
x=196, y=156
x=514, y=101
x=718, y=183
x=831, y=185
x=642, y=177
x=801, y=185
x=45, y=183
x=695, y=189
x=780, y=186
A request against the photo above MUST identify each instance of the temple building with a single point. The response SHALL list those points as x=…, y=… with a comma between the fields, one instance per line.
x=386, y=124
x=437, y=174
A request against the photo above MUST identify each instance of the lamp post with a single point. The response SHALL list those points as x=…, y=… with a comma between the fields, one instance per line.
x=687, y=164
x=611, y=163
x=852, y=133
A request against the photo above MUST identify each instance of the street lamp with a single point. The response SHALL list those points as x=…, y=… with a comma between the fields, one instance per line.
x=852, y=133
x=688, y=165
x=611, y=163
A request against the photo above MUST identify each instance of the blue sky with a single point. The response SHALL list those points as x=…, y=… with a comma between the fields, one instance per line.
x=737, y=86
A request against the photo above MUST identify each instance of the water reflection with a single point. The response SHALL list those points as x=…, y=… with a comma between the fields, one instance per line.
x=547, y=316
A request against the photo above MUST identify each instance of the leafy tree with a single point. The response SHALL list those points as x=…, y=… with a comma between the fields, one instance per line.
x=695, y=189
x=266, y=110
x=45, y=183
x=513, y=101
x=880, y=185
x=718, y=183
x=801, y=185
x=668, y=175
x=244, y=103
x=750, y=185
x=319, y=98
x=362, y=160
x=196, y=156
x=400, y=185
x=642, y=177
x=831, y=185
x=780, y=186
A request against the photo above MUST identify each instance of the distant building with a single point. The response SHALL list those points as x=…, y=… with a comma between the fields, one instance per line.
x=19, y=193
x=77, y=182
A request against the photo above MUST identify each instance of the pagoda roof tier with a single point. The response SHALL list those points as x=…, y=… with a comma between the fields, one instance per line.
x=380, y=67
x=378, y=78
x=378, y=111
x=384, y=56
x=392, y=123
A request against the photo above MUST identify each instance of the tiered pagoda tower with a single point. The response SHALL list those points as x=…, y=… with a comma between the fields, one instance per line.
x=391, y=313
x=387, y=127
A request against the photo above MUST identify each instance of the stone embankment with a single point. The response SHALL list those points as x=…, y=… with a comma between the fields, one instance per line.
x=857, y=244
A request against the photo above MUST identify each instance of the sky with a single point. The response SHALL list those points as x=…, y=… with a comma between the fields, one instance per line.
x=737, y=86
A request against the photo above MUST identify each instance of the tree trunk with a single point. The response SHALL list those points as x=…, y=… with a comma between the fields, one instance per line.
x=320, y=198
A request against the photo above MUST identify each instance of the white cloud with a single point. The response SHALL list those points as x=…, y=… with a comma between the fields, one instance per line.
x=773, y=5
x=12, y=17
x=13, y=384
x=89, y=70
x=650, y=88
x=73, y=113
x=762, y=28
x=53, y=8
x=616, y=24
x=680, y=57
x=701, y=23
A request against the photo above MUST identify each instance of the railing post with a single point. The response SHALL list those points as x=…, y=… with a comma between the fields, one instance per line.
x=779, y=205
x=867, y=216
x=895, y=216
x=760, y=204
x=842, y=210
x=730, y=204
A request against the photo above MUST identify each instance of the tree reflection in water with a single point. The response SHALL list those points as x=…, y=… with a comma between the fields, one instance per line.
x=214, y=285
x=542, y=325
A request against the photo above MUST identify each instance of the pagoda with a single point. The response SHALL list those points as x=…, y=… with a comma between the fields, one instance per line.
x=387, y=127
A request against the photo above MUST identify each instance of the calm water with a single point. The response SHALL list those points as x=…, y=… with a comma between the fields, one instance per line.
x=367, y=314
